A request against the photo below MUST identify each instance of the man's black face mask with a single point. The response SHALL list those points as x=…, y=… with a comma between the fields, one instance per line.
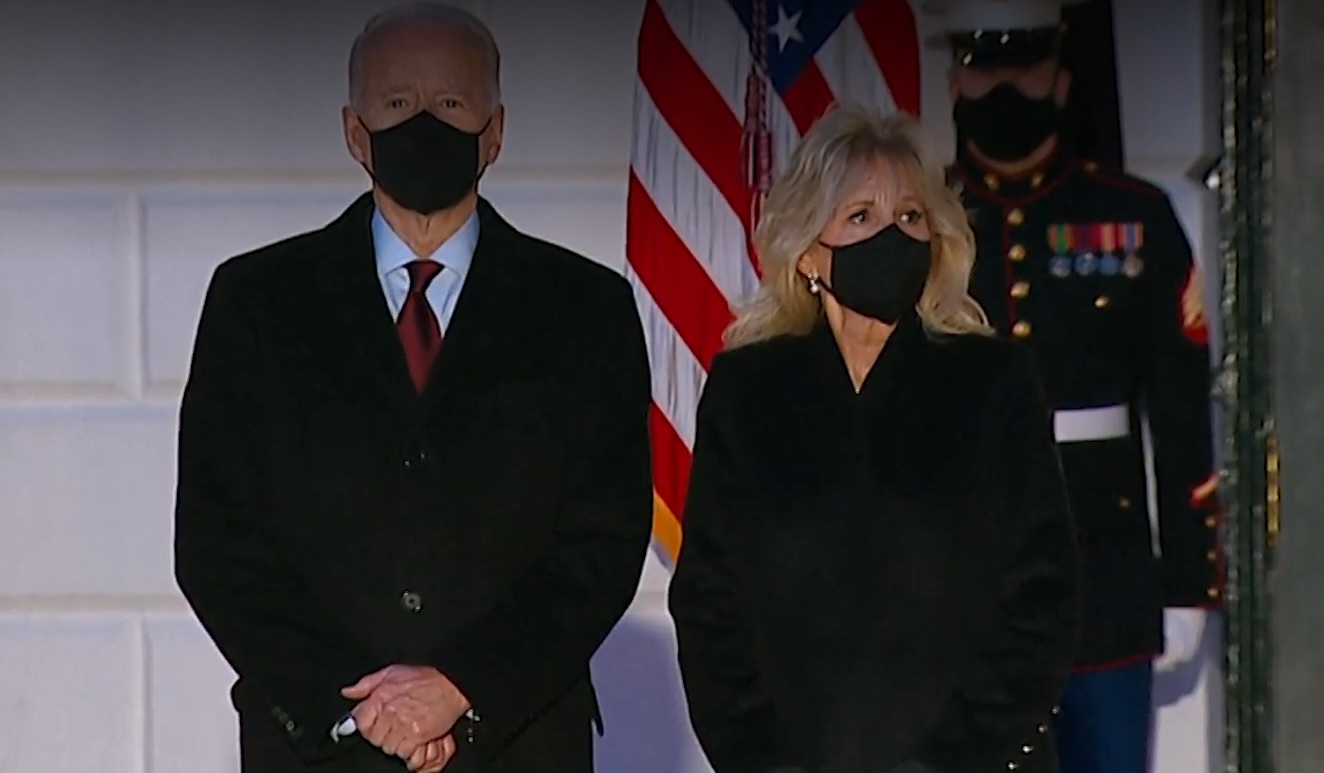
x=1006, y=125
x=426, y=164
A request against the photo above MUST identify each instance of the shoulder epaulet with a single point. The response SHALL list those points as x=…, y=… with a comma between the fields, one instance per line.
x=1094, y=167
x=1119, y=178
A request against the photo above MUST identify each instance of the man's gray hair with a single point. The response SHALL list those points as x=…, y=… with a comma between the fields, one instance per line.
x=426, y=14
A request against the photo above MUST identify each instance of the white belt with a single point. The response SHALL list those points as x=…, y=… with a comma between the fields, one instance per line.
x=1086, y=424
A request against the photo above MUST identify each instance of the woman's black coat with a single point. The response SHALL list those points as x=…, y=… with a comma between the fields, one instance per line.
x=879, y=578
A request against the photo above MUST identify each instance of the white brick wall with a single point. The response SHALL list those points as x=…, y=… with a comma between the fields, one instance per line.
x=144, y=141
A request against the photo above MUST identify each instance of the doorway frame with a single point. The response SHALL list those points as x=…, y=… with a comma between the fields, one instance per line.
x=1243, y=386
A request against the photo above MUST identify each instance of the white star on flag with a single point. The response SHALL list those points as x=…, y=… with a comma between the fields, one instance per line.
x=787, y=28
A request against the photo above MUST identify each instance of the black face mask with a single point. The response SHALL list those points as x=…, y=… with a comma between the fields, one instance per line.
x=424, y=163
x=881, y=277
x=1005, y=124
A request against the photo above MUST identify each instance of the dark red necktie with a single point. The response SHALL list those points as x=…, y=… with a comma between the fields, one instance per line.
x=420, y=333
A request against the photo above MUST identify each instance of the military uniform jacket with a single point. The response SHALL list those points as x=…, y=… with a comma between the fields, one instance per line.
x=1092, y=270
x=874, y=579
x=331, y=521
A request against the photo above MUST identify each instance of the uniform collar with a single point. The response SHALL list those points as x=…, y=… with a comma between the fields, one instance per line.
x=984, y=181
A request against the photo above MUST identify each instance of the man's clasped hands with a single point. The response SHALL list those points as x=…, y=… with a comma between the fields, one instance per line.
x=409, y=712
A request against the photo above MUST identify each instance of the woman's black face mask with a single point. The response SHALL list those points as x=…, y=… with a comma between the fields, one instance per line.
x=881, y=277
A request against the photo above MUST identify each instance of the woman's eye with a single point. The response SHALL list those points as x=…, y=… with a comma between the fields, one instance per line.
x=859, y=217
x=911, y=216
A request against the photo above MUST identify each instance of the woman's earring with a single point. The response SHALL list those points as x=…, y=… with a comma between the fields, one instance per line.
x=814, y=286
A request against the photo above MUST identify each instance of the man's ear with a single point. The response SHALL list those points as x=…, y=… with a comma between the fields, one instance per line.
x=356, y=137
x=496, y=134
x=1062, y=88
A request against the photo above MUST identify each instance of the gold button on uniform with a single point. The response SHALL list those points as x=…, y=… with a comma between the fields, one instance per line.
x=1017, y=252
x=1037, y=180
x=1021, y=329
x=1213, y=593
x=1101, y=302
x=991, y=182
x=1015, y=217
x=1020, y=290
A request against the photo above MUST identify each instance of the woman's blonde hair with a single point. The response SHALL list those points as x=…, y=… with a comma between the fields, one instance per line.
x=802, y=200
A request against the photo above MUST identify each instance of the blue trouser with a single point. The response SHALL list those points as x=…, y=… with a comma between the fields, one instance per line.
x=1106, y=720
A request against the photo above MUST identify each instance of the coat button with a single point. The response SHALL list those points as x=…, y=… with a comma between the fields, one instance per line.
x=411, y=601
x=1021, y=329
x=1020, y=290
x=1017, y=252
x=1015, y=217
x=1101, y=302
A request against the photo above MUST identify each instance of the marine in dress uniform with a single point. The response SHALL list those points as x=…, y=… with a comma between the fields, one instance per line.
x=1091, y=268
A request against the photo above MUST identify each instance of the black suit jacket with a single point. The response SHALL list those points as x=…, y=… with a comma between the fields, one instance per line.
x=330, y=521
x=875, y=579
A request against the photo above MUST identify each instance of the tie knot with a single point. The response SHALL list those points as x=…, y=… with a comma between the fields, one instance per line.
x=421, y=274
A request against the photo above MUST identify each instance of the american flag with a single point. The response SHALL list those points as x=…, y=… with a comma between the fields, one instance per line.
x=717, y=110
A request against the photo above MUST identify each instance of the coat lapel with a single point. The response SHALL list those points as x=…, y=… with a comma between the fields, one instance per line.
x=483, y=330
x=906, y=394
x=479, y=346
x=893, y=421
x=366, y=346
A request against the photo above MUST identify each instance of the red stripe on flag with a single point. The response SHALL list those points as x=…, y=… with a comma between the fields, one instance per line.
x=679, y=285
x=889, y=27
x=692, y=107
x=671, y=463
x=808, y=97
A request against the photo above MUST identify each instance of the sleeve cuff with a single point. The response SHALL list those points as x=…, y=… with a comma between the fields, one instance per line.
x=472, y=725
x=344, y=728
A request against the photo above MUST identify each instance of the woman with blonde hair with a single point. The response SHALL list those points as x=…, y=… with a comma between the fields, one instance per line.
x=879, y=567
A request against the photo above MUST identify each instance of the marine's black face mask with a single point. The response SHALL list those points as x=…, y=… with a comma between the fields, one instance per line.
x=1006, y=125
x=881, y=277
x=424, y=163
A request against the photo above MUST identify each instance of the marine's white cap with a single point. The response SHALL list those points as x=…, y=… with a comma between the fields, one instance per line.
x=964, y=16
x=999, y=33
